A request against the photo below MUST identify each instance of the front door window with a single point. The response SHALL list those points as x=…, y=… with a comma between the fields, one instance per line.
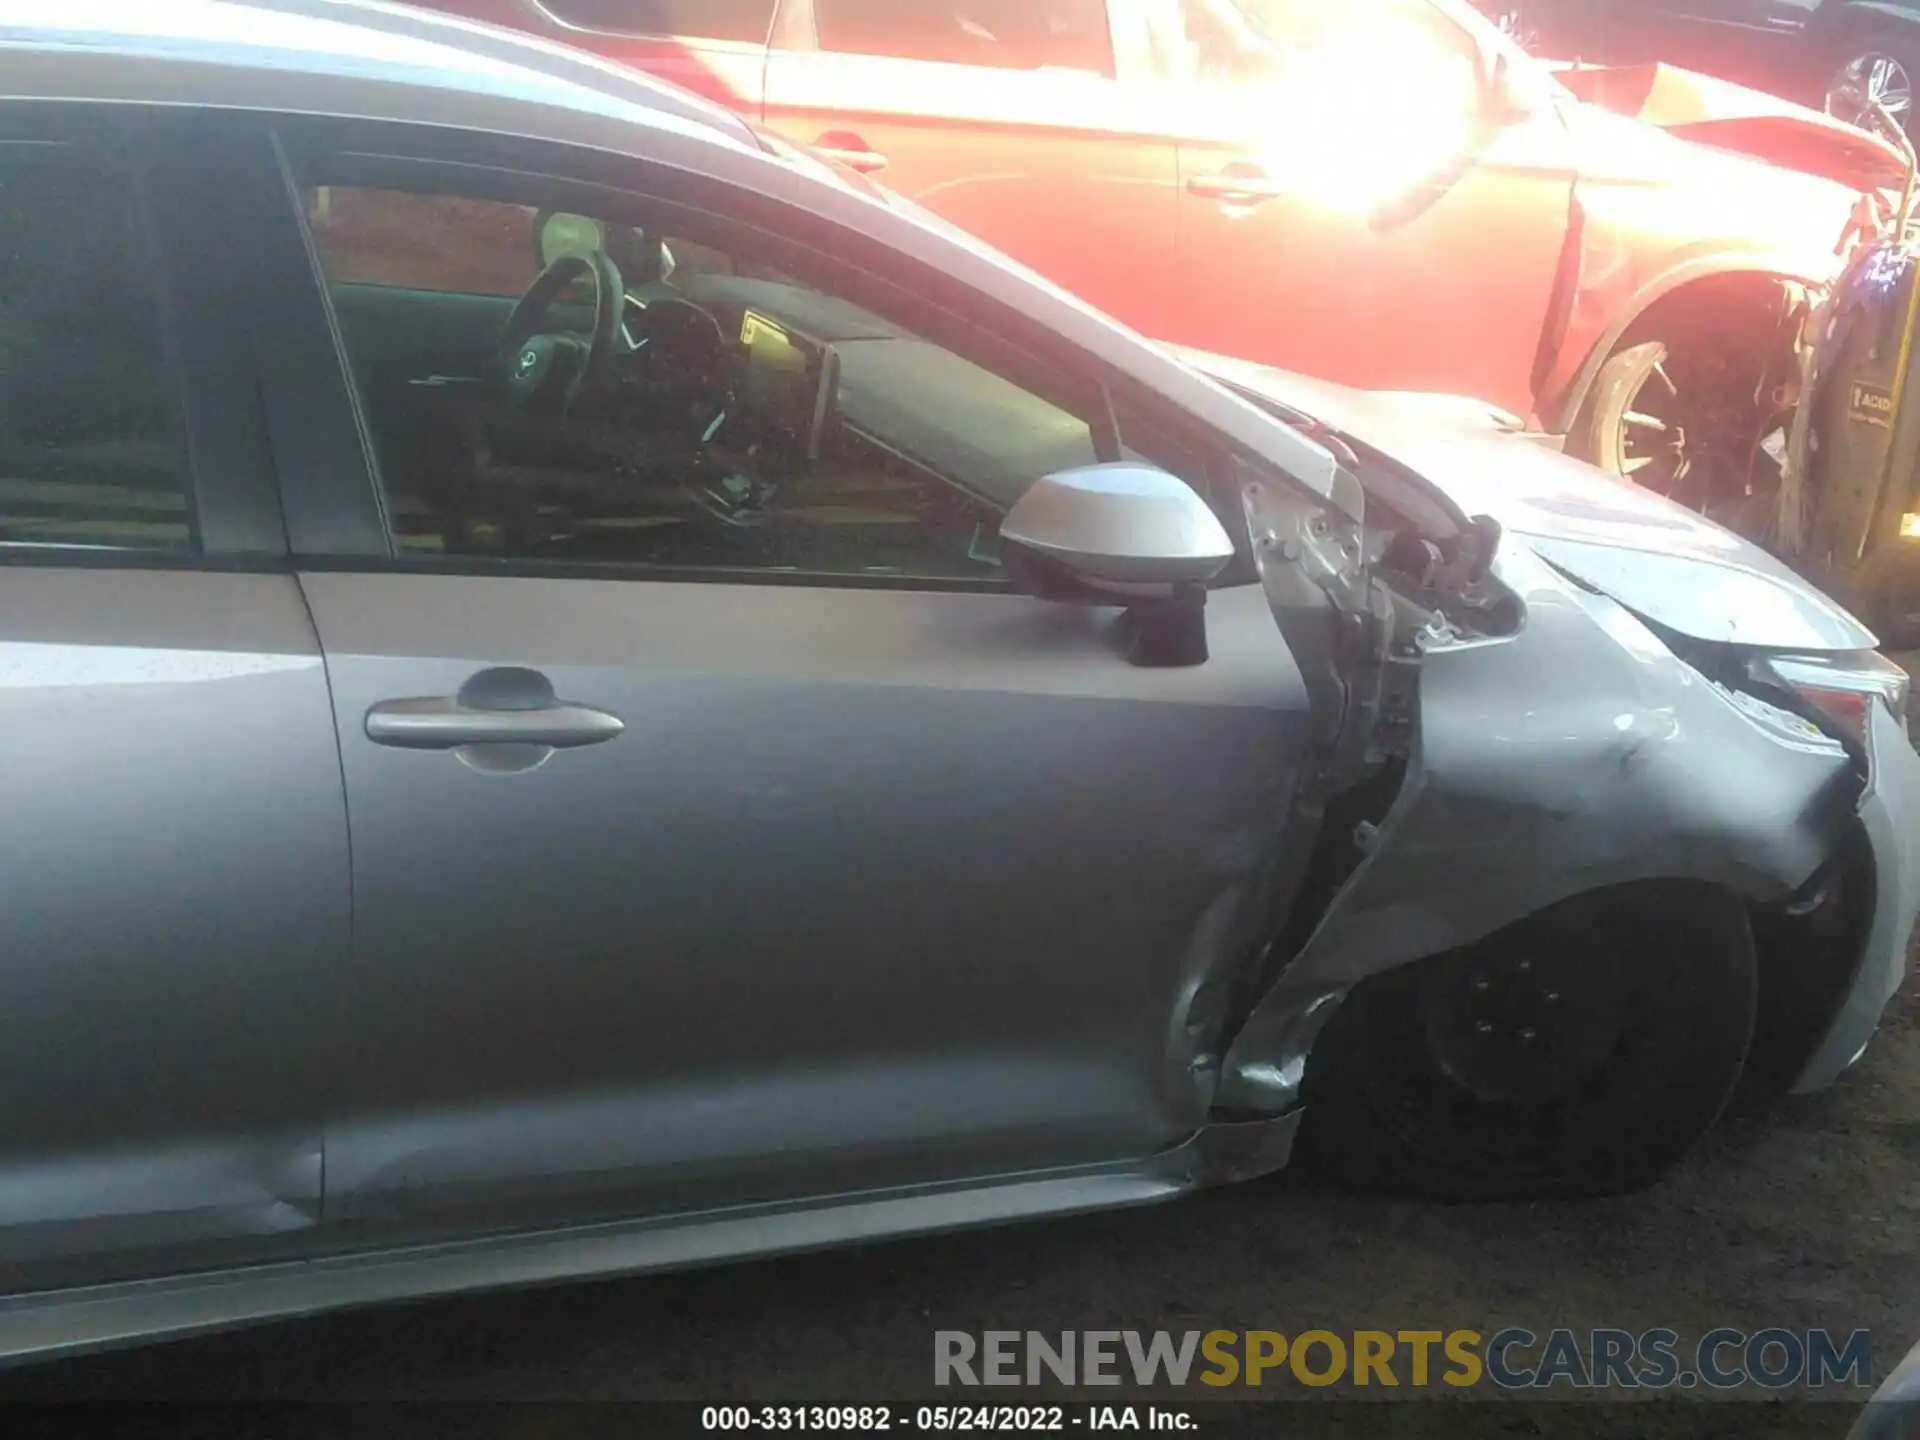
x=715, y=413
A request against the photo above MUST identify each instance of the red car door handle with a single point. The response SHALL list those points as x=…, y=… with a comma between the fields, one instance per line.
x=1236, y=189
x=851, y=151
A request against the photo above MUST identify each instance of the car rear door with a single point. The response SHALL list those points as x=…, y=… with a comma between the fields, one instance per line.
x=1399, y=236
x=174, y=858
x=849, y=866
x=1013, y=119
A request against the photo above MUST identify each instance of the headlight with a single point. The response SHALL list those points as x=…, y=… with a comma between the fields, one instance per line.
x=1841, y=687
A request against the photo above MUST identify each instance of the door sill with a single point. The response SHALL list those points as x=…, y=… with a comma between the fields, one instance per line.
x=49, y=1324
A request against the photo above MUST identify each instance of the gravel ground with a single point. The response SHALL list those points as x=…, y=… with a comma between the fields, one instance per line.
x=1808, y=1215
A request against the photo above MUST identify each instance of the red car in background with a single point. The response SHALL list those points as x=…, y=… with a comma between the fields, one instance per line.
x=1385, y=193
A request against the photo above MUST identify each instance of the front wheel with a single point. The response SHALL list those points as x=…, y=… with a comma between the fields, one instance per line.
x=1578, y=1052
x=1870, y=68
x=1677, y=415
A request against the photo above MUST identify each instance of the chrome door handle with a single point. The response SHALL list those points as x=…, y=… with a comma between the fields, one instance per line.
x=440, y=722
x=850, y=151
x=1231, y=189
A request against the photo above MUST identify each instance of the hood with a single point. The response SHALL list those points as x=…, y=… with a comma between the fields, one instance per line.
x=1660, y=560
x=1726, y=116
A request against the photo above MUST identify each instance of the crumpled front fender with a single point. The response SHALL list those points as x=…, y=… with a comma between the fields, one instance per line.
x=1578, y=754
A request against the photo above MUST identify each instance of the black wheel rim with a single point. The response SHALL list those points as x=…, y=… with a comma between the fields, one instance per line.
x=1872, y=78
x=1494, y=1107
x=1653, y=434
x=1521, y=1027
x=1689, y=431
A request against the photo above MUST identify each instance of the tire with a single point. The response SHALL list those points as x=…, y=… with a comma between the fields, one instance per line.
x=1852, y=56
x=1672, y=413
x=1658, y=989
x=1599, y=434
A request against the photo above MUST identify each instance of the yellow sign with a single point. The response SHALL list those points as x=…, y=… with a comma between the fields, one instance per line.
x=1870, y=405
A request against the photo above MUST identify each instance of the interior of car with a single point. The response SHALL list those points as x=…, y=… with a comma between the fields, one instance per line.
x=559, y=386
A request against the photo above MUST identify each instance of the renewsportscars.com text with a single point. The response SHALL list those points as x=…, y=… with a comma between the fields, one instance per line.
x=1511, y=1359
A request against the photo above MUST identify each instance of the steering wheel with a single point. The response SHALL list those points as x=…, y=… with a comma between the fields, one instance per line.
x=680, y=361
x=542, y=372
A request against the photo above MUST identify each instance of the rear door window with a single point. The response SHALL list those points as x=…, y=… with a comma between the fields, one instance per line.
x=1314, y=43
x=743, y=20
x=1001, y=34
x=91, y=451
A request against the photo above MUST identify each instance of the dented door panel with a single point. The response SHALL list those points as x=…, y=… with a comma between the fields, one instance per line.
x=874, y=888
x=177, y=908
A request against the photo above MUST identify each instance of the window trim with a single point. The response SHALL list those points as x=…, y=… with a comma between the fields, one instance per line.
x=204, y=247
x=329, y=489
x=226, y=472
x=629, y=572
x=413, y=156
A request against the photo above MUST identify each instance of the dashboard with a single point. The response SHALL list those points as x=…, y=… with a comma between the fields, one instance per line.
x=726, y=437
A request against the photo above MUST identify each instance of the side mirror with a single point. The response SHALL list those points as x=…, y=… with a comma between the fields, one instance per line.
x=1126, y=528
x=1127, y=534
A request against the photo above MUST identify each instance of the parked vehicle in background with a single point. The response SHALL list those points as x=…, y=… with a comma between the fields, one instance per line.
x=1233, y=175
x=587, y=692
x=1841, y=55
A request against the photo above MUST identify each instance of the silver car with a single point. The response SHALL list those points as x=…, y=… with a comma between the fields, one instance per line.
x=1894, y=1411
x=583, y=692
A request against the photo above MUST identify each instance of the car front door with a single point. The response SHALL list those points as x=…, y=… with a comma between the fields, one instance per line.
x=1400, y=234
x=174, y=855
x=1010, y=118
x=825, y=860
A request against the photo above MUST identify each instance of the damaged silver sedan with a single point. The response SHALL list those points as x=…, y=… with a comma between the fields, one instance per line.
x=589, y=694
x=1658, y=836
